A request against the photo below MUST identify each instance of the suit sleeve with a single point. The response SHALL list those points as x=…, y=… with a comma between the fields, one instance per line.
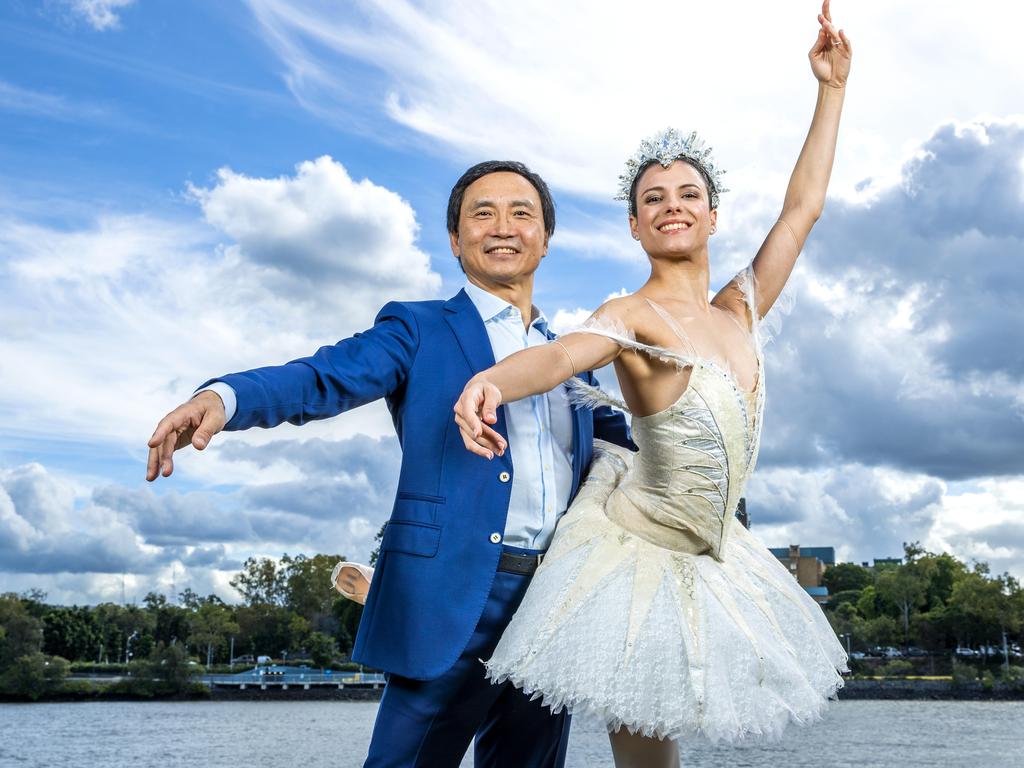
x=610, y=424
x=337, y=378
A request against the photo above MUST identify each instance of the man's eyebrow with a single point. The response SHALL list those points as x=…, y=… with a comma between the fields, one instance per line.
x=491, y=204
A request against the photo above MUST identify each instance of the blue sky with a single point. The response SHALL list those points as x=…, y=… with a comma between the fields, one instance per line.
x=191, y=188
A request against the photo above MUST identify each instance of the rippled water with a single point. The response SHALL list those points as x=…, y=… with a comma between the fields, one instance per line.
x=335, y=734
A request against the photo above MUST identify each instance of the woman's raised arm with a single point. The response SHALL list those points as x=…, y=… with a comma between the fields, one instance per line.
x=805, y=196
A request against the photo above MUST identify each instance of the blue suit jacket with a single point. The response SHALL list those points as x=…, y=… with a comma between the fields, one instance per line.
x=437, y=560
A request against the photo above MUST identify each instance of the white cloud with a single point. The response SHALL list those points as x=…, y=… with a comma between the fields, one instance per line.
x=869, y=512
x=55, y=106
x=44, y=530
x=571, y=87
x=99, y=14
x=322, y=231
x=566, y=319
x=111, y=324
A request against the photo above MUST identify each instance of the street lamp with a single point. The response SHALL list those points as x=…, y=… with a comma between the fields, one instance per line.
x=847, y=636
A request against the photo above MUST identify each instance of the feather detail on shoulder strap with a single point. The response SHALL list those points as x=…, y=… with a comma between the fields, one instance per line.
x=583, y=395
x=617, y=331
x=765, y=330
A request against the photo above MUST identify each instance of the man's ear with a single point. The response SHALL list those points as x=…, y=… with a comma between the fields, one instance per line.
x=453, y=238
x=546, y=238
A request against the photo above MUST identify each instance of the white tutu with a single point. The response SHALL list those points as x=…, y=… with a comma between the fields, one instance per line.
x=666, y=643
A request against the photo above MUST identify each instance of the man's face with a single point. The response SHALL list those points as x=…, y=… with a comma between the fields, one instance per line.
x=501, y=234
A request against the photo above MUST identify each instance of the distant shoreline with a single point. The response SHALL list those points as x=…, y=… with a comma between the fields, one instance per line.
x=854, y=690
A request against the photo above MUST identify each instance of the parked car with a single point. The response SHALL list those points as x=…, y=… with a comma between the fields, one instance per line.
x=966, y=653
x=858, y=655
x=914, y=652
x=263, y=660
x=245, y=659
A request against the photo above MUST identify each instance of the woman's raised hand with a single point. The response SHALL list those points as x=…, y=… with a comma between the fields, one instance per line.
x=830, y=56
x=476, y=409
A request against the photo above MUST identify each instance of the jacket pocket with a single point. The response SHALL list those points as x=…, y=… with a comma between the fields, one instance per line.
x=421, y=497
x=411, y=538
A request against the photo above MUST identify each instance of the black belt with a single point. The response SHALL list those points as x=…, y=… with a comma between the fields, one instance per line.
x=524, y=565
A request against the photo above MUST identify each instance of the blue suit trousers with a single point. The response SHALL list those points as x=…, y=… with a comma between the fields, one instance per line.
x=430, y=723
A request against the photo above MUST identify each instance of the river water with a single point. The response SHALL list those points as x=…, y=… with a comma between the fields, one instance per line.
x=267, y=734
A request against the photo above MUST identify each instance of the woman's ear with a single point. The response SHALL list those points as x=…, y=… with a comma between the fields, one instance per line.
x=714, y=220
x=633, y=230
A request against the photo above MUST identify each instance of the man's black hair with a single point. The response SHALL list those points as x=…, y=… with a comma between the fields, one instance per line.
x=648, y=164
x=547, y=205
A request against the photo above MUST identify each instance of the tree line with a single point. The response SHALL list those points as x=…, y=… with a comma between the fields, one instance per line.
x=934, y=602
x=290, y=610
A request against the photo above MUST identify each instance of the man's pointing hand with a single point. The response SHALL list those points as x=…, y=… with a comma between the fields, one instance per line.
x=195, y=422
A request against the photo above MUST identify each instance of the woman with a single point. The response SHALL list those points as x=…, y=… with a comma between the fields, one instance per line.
x=651, y=609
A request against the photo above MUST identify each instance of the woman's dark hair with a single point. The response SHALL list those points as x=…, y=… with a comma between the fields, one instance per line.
x=547, y=205
x=643, y=169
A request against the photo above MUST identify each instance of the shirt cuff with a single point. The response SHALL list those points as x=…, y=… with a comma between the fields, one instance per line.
x=226, y=394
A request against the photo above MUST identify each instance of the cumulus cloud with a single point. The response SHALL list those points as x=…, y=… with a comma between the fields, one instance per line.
x=901, y=350
x=43, y=530
x=99, y=14
x=321, y=231
x=131, y=312
x=78, y=543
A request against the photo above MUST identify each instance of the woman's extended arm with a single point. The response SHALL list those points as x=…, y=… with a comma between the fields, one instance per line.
x=526, y=373
x=805, y=195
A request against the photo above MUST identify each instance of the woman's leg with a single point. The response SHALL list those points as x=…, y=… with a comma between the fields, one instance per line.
x=636, y=751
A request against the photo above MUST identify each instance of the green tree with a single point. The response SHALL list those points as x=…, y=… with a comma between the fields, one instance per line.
x=21, y=633
x=348, y=614
x=71, y=633
x=882, y=630
x=377, y=540
x=321, y=649
x=260, y=582
x=843, y=577
x=308, y=588
x=977, y=606
x=168, y=665
x=210, y=626
x=33, y=675
x=904, y=587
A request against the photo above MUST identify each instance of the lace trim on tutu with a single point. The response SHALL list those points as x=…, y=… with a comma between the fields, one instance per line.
x=577, y=706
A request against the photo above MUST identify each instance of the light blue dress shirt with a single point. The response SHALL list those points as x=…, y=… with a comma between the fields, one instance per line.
x=539, y=429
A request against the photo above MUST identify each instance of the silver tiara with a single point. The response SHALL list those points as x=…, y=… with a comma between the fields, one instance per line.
x=665, y=147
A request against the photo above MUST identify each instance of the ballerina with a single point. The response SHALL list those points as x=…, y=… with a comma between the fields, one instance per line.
x=652, y=609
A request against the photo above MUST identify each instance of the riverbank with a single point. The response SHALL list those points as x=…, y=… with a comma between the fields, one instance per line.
x=855, y=689
x=909, y=689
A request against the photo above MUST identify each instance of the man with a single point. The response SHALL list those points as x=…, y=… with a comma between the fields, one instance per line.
x=465, y=534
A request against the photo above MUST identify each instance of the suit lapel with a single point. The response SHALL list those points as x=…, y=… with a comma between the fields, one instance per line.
x=464, y=320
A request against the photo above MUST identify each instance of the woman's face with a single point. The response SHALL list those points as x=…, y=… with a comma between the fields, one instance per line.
x=673, y=210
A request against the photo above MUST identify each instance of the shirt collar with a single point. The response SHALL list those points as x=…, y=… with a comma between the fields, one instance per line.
x=491, y=307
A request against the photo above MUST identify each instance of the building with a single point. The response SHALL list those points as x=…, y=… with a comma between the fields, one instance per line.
x=808, y=566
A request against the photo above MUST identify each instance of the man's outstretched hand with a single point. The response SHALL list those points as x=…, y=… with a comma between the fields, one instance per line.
x=195, y=422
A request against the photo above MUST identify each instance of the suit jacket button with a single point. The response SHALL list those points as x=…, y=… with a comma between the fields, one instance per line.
x=495, y=537
x=504, y=477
